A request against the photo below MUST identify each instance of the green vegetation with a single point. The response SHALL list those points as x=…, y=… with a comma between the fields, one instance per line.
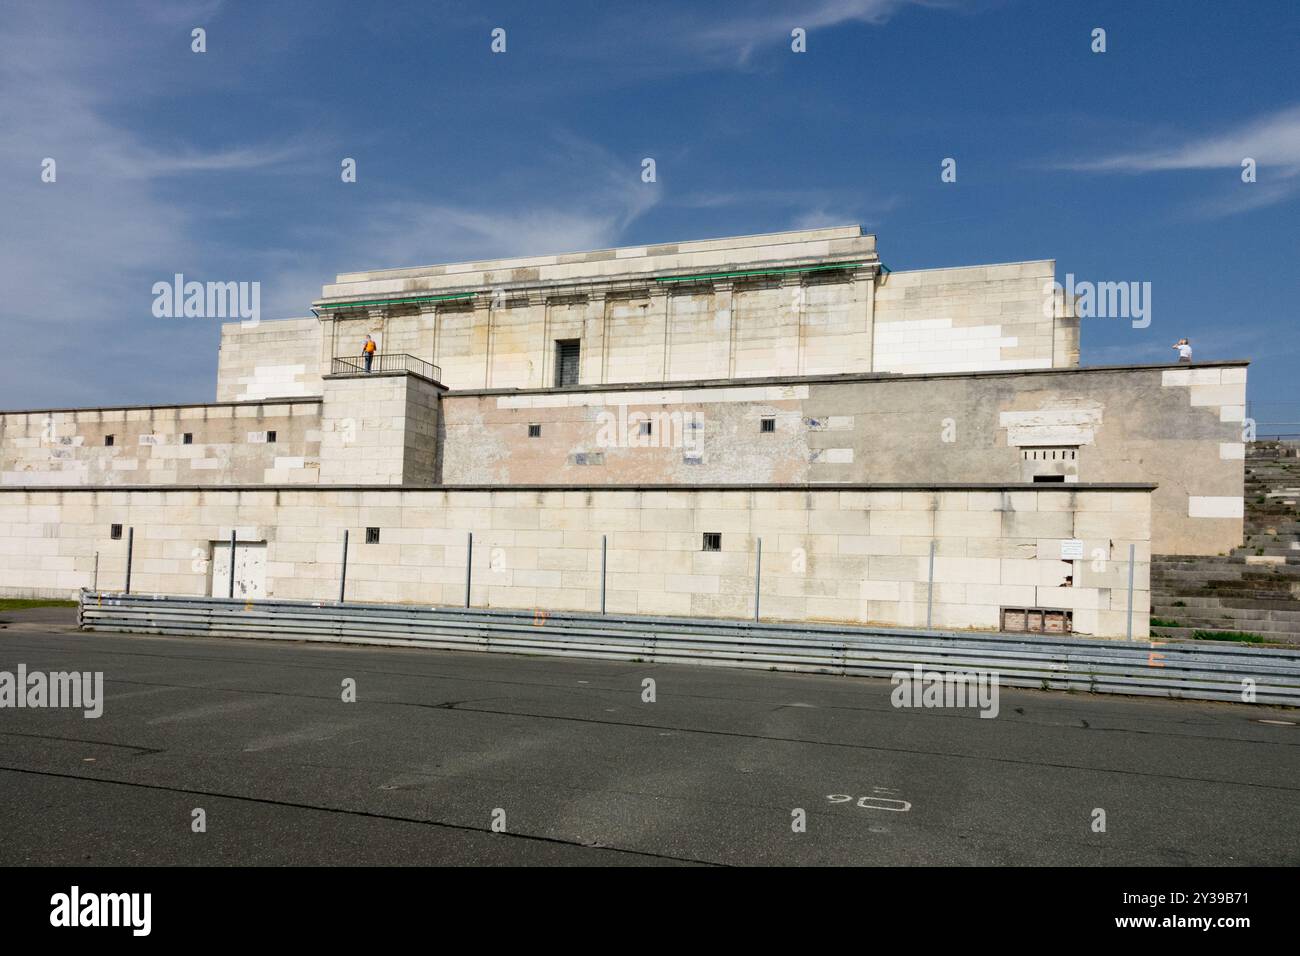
x=1179, y=604
x=1239, y=636
x=20, y=604
x=1161, y=622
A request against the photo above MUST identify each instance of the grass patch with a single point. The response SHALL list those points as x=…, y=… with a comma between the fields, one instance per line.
x=1240, y=637
x=1161, y=622
x=20, y=604
x=1179, y=604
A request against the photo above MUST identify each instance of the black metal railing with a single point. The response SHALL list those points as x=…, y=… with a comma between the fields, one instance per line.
x=385, y=362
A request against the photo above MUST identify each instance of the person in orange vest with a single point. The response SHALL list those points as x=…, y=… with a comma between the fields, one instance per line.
x=368, y=350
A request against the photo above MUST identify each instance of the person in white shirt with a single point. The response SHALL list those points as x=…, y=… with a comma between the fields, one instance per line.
x=1184, y=350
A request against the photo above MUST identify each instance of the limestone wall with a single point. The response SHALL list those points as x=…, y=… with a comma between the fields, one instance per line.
x=799, y=303
x=858, y=555
x=229, y=444
x=970, y=319
x=278, y=359
x=1178, y=427
x=379, y=429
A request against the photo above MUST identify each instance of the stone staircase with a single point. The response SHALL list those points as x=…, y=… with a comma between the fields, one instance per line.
x=1256, y=588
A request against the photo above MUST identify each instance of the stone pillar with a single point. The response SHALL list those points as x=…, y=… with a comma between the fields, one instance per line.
x=593, y=339
x=328, y=343
x=429, y=331
x=723, y=316
x=480, y=336
x=862, y=319
x=793, y=295
x=657, y=312
x=540, y=365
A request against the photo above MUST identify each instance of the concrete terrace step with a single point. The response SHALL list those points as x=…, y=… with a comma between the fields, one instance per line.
x=1237, y=570
x=1162, y=605
x=1259, y=617
x=1188, y=634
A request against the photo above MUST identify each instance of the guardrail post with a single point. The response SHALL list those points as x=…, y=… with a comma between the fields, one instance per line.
x=603, y=550
x=232, y=564
x=929, y=590
x=1132, y=548
x=469, y=562
x=758, y=577
x=343, y=573
x=130, y=549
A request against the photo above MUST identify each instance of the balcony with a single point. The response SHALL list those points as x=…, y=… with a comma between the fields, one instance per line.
x=385, y=362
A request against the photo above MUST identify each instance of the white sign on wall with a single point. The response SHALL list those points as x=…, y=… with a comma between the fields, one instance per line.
x=1071, y=548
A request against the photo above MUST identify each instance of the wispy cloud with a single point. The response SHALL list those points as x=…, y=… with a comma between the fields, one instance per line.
x=1272, y=141
x=739, y=37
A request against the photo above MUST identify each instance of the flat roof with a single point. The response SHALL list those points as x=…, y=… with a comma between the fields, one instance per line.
x=852, y=231
x=1055, y=486
x=675, y=385
x=667, y=385
x=288, y=400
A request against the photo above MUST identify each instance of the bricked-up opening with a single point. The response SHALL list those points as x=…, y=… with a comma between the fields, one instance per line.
x=534, y=431
x=567, y=353
x=372, y=536
x=115, y=532
x=712, y=541
x=108, y=440
x=270, y=438
x=187, y=438
x=1037, y=620
x=767, y=425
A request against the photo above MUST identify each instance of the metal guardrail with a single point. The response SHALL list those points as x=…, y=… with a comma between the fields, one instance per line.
x=1188, y=671
x=385, y=362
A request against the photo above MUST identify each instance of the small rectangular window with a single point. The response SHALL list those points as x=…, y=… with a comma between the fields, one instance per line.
x=108, y=440
x=767, y=425
x=270, y=437
x=115, y=532
x=372, y=536
x=187, y=438
x=534, y=431
x=712, y=541
x=647, y=428
x=1044, y=479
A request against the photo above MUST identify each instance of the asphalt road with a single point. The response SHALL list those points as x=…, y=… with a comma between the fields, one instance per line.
x=257, y=735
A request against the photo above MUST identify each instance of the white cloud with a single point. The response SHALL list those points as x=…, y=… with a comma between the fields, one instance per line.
x=1273, y=141
x=742, y=36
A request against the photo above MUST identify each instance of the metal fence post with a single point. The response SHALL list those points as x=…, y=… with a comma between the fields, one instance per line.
x=603, y=550
x=929, y=590
x=130, y=549
x=232, y=563
x=758, y=577
x=1132, y=549
x=469, y=563
x=95, y=581
x=343, y=573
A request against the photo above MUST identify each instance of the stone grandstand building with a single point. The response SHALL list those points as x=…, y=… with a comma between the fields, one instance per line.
x=654, y=410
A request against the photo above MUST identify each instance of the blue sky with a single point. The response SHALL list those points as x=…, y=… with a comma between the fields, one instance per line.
x=1122, y=166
